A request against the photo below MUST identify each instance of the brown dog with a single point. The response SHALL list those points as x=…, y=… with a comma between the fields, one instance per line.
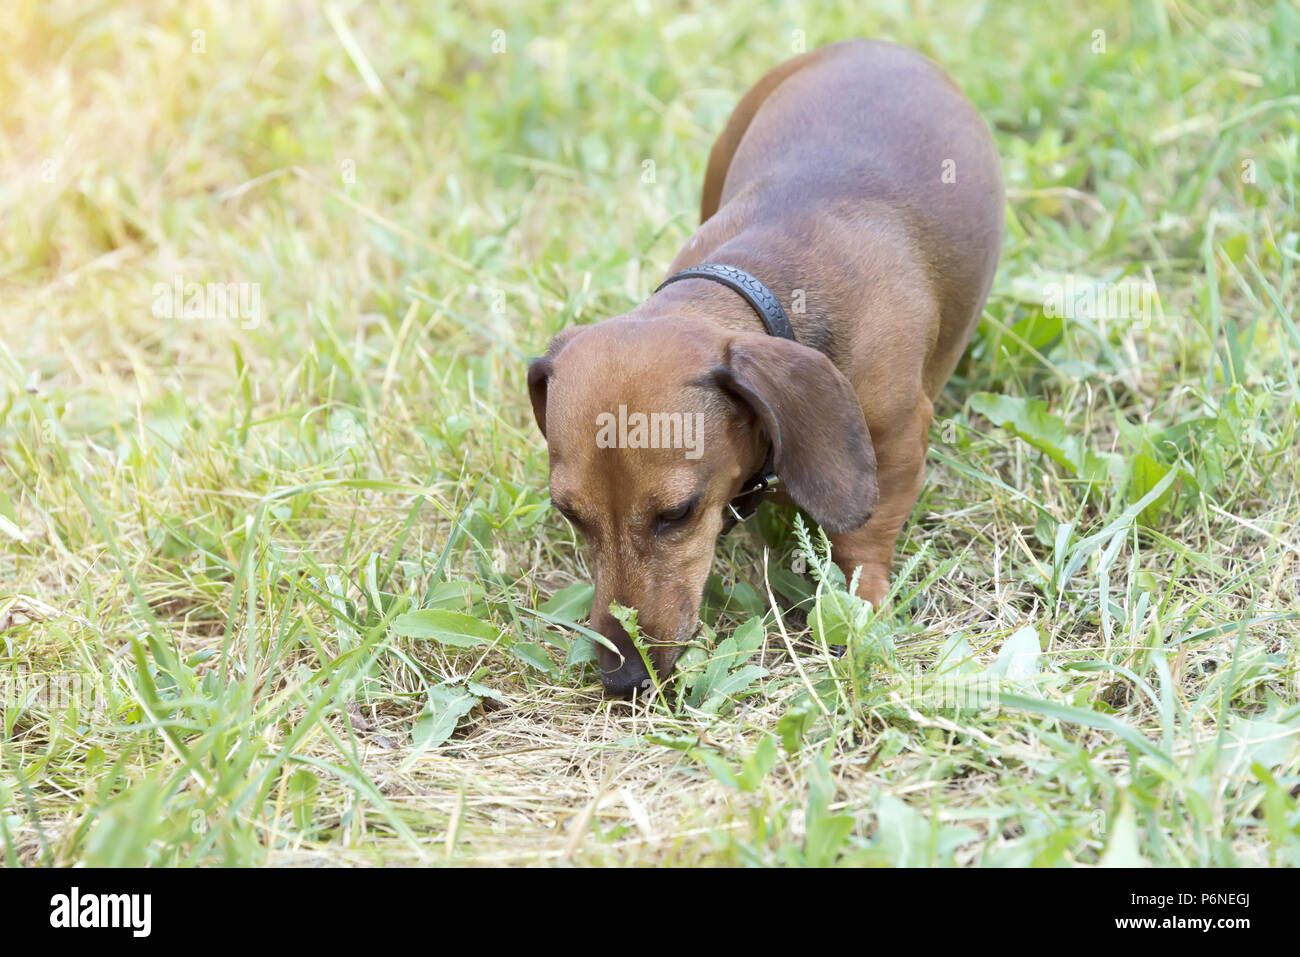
x=862, y=188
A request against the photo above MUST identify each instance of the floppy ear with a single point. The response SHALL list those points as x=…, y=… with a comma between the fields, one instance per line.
x=539, y=374
x=821, y=447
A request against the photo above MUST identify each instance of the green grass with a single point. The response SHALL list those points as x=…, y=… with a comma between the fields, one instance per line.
x=306, y=576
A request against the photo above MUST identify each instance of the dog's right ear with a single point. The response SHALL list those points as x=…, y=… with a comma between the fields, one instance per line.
x=821, y=445
x=539, y=374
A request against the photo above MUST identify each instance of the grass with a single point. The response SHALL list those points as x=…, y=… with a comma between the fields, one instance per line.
x=290, y=591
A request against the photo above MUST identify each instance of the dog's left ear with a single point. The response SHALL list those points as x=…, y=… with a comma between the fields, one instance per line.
x=539, y=374
x=821, y=446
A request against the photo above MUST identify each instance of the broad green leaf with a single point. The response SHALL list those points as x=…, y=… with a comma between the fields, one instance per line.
x=1122, y=848
x=302, y=795
x=448, y=627
x=127, y=827
x=839, y=617
x=719, y=677
x=794, y=724
x=1145, y=474
x=448, y=703
x=825, y=839
x=955, y=658
x=732, y=685
x=824, y=833
x=581, y=651
x=719, y=767
x=902, y=832
x=476, y=687
x=1018, y=658
x=794, y=588
x=743, y=596
x=454, y=595
x=1032, y=421
x=571, y=603
x=749, y=637
x=1260, y=741
x=535, y=655
x=755, y=767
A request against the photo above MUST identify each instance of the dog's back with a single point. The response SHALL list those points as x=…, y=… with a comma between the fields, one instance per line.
x=883, y=129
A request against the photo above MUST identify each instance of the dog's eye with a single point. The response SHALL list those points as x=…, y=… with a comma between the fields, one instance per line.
x=674, y=516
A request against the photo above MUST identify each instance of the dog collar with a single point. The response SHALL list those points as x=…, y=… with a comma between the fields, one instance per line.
x=764, y=302
x=751, y=289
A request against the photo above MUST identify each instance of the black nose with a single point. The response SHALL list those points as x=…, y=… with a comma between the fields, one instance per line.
x=627, y=679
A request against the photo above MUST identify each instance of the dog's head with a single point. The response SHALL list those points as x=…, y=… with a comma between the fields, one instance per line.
x=652, y=427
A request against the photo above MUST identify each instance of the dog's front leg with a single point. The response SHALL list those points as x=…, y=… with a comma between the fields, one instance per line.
x=900, y=458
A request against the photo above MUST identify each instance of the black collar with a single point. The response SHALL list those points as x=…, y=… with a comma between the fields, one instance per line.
x=777, y=323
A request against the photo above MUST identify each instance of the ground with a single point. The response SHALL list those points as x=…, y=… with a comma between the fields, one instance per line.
x=279, y=579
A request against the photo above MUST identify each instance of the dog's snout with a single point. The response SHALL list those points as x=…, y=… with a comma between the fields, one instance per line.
x=628, y=679
x=623, y=673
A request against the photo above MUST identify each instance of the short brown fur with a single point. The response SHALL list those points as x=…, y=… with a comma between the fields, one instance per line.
x=857, y=182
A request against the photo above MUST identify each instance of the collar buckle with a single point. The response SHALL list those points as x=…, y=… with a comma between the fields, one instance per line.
x=751, y=495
